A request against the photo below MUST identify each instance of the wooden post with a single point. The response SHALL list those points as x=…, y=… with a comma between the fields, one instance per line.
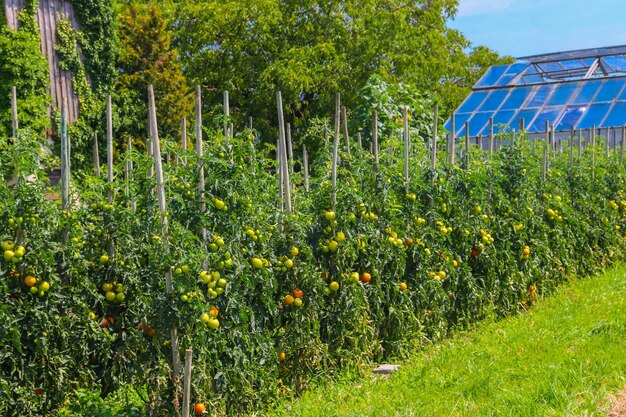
x=279, y=177
x=227, y=114
x=183, y=139
x=406, y=148
x=65, y=160
x=571, y=150
x=305, y=162
x=467, y=145
x=375, y=138
x=289, y=150
x=333, y=193
x=580, y=143
x=169, y=286
x=14, y=120
x=283, y=153
x=200, y=159
x=452, y=141
x=129, y=172
x=109, y=112
x=95, y=155
x=346, y=138
x=433, y=160
x=621, y=154
x=544, y=164
x=359, y=139
x=607, y=144
x=521, y=126
x=187, y=383
x=490, y=137
x=593, y=152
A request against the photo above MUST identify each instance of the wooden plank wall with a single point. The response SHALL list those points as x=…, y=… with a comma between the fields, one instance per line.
x=49, y=13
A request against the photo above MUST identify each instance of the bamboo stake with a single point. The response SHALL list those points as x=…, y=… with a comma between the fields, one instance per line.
x=65, y=166
x=571, y=151
x=279, y=175
x=490, y=137
x=346, y=138
x=433, y=160
x=227, y=114
x=289, y=150
x=467, y=146
x=283, y=153
x=183, y=139
x=14, y=120
x=305, y=162
x=606, y=143
x=129, y=173
x=360, y=139
x=169, y=286
x=109, y=112
x=580, y=143
x=406, y=148
x=95, y=155
x=374, y=143
x=333, y=195
x=187, y=382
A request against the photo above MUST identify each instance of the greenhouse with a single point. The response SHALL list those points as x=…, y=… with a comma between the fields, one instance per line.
x=560, y=92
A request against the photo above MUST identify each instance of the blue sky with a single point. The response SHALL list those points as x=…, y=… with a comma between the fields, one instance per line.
x=527, y=27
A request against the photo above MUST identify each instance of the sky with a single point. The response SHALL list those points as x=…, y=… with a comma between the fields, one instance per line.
x=528, y=27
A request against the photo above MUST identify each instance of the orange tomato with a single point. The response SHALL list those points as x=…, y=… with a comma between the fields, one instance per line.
x=366, y=277
x=288, y=299
x=199, y=408
x=297, y=293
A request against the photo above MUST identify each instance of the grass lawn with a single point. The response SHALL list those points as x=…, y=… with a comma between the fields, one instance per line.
x=563, y=358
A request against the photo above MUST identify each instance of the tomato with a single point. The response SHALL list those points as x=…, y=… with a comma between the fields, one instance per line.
x=281, y=356
x=20, y=251
x=403, y=286
x=213, y=323
x=288, y=264
x=30, y=280
x=298, y=293
x=366, y=277
x=106, y=287
x=329, y=215
x=105, y=323
x=120, y=297
x=334, y=286
x=214, y=312
x=110, y=296
x=332, y=245
x=199, y=408
x=409, y=241
x=150, y=331
x=455, y=264
x=256, y=263
x=288, y=299
x=104, y=259
x=340, y=237
x=297, y=302
x=6, y=245
x=205, y=317
x=44, y=286
x=442, y=275
x=8, y=255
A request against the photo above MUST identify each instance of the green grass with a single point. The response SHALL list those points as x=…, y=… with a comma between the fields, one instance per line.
x=561, y=359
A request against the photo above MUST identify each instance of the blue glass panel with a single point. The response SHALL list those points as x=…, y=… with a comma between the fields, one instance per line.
x=562, y=94
x=586, y=93
x=473, y=102
x=477, y=123
x=617, y=116
x=446, y=125
x=623, y=95
x=492, y=76
x=540, y=95
x=516, y=98
x=527, y=114
x=500, y=119
x=594, y=115
x=610, y=90
x=511, y=73
x=571, y=116
x=548, y=114
x=494, y=100
x=459, y=122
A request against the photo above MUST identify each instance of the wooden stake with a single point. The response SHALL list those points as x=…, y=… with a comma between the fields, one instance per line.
x=346, y=138
x=571, y=151
x=580, y=143
x=544, y=164
x=227, y=114
x=621, y=154
x=109, y=112
x=183, y=139
x=333, y=194
x=467, y=146
x=284, y=166
x=65, y=160
x=95, y=155
x=14, y=120
x=169, y=286
x=129, y=173
x=359, y=139
x=593, y=152
x=406, y=148
x=374, y=142
x=187, y=382
x=289, y=150
x=607, y=144
x=200, y=159
x=452, y=140
x=433, y=160
x=305, y=162
x=490, y=137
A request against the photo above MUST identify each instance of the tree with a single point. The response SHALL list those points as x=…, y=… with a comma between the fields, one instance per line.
x=147, y=57
x=311, y=50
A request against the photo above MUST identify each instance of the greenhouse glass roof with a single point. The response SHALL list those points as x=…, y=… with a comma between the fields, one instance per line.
x=569, y=90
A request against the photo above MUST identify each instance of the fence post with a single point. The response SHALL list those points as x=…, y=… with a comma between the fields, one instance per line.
x=200, y=162
x=490, y=137
x=621, y=154
x=95, y=155
x=305, y=162
x=169, y=286
x=109, y=112
x=544, y=164
x=183, y=139
x=129, y=173
x=359, y=139
x=227, y=114
x=433, y=160
x=593, y=152
x=452, y=141
x=467, y=145
x=346, y=138
x=290, y=151
x=65, y=164
x=571, y=150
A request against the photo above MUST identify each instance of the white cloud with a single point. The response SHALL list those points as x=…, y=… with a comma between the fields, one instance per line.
x=481, y=7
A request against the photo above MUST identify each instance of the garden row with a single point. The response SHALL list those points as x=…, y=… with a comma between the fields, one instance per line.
x=102, y=297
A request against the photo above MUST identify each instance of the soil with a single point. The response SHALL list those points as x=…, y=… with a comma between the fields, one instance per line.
x=618, y=406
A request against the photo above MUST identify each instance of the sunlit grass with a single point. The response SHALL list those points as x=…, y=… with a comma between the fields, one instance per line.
x=560, y=359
